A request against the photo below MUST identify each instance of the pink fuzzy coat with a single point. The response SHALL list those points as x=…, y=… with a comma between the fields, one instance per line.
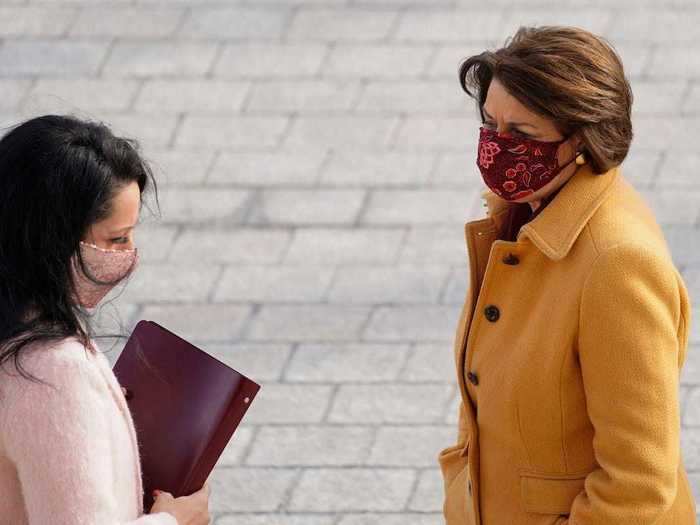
x=69, y=454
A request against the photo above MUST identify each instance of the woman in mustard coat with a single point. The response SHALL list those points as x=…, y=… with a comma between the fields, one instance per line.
x=575, y=325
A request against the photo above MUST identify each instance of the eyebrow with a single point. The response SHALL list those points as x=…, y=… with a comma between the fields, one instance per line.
x=519, y=124
x=122, y=230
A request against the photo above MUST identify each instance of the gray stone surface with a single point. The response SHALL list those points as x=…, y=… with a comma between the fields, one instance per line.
x=316, y=167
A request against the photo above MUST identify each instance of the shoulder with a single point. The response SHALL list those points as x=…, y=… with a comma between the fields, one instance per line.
x=625, y=221
x=66, y=365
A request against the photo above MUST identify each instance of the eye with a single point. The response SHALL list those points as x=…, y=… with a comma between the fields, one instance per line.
x=120, y=240
x=488, y=124
x=521, y=134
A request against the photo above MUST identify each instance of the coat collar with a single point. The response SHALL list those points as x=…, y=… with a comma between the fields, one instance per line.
x=557, y=227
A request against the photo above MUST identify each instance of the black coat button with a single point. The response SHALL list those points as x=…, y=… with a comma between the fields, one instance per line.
x=511, y=259
x=473, y=378
x=492, y=313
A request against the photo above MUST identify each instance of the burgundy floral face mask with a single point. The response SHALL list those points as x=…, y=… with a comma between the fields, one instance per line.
x=104, y=269
x=516, y=167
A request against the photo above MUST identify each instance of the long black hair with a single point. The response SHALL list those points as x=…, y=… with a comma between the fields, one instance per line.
x=58, y=176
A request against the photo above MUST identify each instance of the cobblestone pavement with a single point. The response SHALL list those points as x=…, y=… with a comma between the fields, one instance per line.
x=316, y=161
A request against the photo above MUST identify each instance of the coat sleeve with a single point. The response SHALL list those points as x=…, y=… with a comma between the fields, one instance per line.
x=57, y=437
x=634, y=315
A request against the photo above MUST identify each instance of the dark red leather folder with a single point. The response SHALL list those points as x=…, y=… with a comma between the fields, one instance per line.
x=185, y=405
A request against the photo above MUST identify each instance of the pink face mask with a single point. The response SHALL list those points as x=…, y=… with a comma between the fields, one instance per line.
x=104, y=268
x=516, y=167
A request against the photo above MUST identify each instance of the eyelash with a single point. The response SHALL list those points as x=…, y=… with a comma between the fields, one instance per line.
x=120, y=240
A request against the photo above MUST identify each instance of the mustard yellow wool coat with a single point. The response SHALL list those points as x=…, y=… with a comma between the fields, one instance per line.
x=568, y=353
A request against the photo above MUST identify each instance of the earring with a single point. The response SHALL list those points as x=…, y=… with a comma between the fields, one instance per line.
x=580, y=159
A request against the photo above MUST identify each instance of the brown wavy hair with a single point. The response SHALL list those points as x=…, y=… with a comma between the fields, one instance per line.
x=567, y=74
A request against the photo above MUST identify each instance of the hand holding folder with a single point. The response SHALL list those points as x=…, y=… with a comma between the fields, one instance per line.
x=185, y=404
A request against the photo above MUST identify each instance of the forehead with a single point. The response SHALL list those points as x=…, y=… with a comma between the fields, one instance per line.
x=500, y=104
x=125, y=208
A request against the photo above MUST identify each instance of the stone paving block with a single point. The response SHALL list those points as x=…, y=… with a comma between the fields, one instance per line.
x=430, y=362
x=363, y=169
x=127, y=21
x=341, y=24
x=449, y=57
x=275, y=519
x=239, y=23
x=35, y=21
x=593, y=19
x=236, y=448
x=673, y=206
x=160, y=58
x=453, y=412
x=429, y=495
x=280, y=168
x=683, y=241
x=236, y=246
x=344, y=246
x=177, y=167
x=388, y=284
x=340, y=131
x=690, y=375
x=65, y=58
x=278, y=403
x=204, y=205
x=419, y=207
x=334, y=490
x=310, y=322
x=411, y=97
x=244, y=489
x=678, y=170
x=691, y=417
x=203, y=132
x=655, y=25
x=153, y=282
x=273, y=283
x=305, y=445
x=14, y=90
x=449, y=25
x=259, y=361
x=153, y=239
x=305, y=96
x=393, y=519
x=200, y=96
x=409, y=446
x=643, y=168
x=658, y=97
x=150, y=130
x=435, y=244
x=674, y=61
x=343, y=363
x=377, y=60
x=458, y=170
x=270, y=60
x=456, y=289
x=690, y=445
x=52, y=95
x=412, y=323
x=390, y=403
x=438, y=134
x=201, y=322
x=308, y=207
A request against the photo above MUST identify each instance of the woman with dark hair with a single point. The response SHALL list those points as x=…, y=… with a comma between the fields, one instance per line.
x=70, y=198
x=575, y=325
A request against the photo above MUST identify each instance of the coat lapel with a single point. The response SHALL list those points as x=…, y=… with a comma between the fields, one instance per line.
x=557, y=227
